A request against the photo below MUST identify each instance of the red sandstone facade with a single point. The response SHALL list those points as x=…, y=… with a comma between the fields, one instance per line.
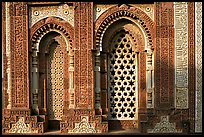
x=85, y=51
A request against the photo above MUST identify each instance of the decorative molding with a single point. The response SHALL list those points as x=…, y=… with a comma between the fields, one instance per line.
x=198, y=63
x=164, y=126
x=181, y=54
x=63, y=11
x=21, y=127
x=83, y=126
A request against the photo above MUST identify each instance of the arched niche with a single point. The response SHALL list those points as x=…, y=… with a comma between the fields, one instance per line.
x=51, y=69
x=108, y=26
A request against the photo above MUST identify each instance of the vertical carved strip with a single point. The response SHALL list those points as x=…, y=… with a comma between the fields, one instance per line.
x=71, y=87
x=157, y=64
x=191, y=65
x=97, y=81
x=77, y=52
x=150, y=86
x=83, y=54
x=181, y=54
x=90, y=57
x=35, y=81
x=19, y=40
x=83, y=37
x=8, y=52
x=171, y=56
x=198, y=65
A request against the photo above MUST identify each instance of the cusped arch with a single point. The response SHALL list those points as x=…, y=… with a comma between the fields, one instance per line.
x=135, y=32
x=116, y=13
x=46, y=25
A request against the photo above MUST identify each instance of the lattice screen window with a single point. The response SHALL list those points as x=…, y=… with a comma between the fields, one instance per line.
x=55, y=82
x=122, y=79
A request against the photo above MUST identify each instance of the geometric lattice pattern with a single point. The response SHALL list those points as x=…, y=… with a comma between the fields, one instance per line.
x=122, y=79
x=55, y=83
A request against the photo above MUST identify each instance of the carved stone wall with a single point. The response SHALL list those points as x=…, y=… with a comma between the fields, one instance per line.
x=198, y=66
x=172, y=41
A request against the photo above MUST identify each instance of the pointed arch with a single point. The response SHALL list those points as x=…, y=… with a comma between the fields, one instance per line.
x=115, y=13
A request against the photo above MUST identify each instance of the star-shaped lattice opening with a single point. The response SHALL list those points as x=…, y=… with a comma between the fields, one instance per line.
x=122, y=110
x=122, y=67
x=122, y=99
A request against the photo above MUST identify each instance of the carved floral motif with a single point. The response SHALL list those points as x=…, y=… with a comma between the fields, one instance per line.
x=164, y=126
x=84, y=126
x=21, y=127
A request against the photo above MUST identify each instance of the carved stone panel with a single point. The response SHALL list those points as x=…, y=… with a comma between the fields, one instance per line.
x=181, y=54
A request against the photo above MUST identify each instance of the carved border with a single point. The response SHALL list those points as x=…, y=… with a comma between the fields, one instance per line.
x=198, y=66
x=164, y=58
x=181, y=55
x=83, y=55
x=191, y=64
x=19, y=40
